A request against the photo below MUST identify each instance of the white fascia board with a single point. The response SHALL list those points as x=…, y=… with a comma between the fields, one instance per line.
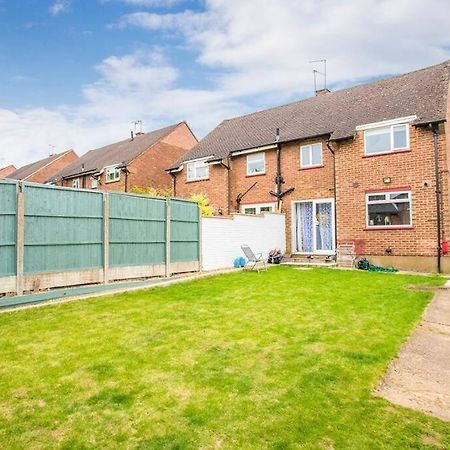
x=254, y=150
x=204, y=158
x=386, y=123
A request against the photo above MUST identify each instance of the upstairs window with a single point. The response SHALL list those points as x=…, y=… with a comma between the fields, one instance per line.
x=112, y=174
x=386, y=139
x=197, y=170
x=76, y=183
x=94, y=183
x=311, y=155
x=256, y=163
x=388, y=209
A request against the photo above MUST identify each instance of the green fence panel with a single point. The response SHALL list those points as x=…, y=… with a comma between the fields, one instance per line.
x=63, y=229
x=137, y=230
x=184, y=231
x=8, y=227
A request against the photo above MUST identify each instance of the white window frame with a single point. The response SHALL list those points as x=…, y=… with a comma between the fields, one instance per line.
x=112, y=169
x=94, y=182
x=391, y=129
x=76, y=183
x=388, y=200
x=333, y=228
x=197, y=163
x=251, y=155
x=310, y=146
x=258, y=207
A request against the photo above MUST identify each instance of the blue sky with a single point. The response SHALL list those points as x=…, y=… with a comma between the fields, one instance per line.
x=76, y=73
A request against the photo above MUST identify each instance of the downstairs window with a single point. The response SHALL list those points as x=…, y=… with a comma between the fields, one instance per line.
x=388, y=209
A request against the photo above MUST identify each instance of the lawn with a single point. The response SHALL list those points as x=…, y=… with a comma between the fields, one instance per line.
x=279, y=359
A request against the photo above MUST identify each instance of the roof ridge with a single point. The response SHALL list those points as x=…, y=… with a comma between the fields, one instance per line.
x=379, y=81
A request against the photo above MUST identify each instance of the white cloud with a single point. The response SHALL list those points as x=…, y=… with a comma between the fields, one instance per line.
x=253, y=54
x=59, y=7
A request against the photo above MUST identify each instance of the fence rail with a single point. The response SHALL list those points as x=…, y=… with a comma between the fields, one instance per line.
x=52, y=236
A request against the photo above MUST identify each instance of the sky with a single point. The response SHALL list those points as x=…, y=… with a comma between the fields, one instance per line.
x=77, y=73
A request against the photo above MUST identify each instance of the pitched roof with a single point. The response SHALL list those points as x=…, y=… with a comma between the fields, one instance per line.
x=24, y=172
x=118, y=153
x=5, y=171
x=422, y=93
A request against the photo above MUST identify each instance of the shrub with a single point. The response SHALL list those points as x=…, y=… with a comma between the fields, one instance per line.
x=205, y=208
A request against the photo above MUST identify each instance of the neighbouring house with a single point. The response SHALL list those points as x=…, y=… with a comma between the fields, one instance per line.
x=139, y=161
x=40, y=171
x=367, y=165
x=7, y=170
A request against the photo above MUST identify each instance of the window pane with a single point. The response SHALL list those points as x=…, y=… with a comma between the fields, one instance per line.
x=265, y=209
x=316, y=154
x=389, y=214
x=399, y=196
x=378, y=140
x=255, y=163
x=202, y=171
x=306, y=156
x=372, y=198
x=190, y=171
x=400, y=136
x=249, y=210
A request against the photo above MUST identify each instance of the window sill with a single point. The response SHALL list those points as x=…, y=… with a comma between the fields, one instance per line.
x=112, y=181
x=318, y=166
x=197, y=180
x=387, y=228
x=259, y=174
x=393, y=152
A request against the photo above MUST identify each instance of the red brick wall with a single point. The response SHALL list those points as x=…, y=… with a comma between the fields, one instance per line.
x=215, y=187
x=149, y=169
x=357, y=174
x=181, y=137
x=53, y=168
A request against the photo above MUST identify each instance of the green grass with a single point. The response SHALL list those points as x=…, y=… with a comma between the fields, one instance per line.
x=281, y=359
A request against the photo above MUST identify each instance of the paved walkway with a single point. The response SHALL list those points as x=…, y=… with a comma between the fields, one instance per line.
x=419, y=377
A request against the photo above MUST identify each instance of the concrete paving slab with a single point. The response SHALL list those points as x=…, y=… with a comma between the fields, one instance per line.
x=419, y=378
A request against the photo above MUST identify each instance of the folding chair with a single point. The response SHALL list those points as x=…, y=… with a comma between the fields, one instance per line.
x=252, y=258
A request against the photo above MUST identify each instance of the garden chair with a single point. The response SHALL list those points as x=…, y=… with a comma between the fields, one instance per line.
x=253, y=259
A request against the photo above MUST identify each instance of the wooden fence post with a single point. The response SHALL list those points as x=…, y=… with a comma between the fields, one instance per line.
x=105, y=237
x=20, y=238
x=168, y=268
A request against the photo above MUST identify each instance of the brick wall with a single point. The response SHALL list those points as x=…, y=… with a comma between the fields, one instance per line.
x=215, y=187
x=412, y=170
x=149, y=168
x=53, y=168
x=356, y=175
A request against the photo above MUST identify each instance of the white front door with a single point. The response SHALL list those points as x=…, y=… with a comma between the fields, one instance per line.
x=313, y=226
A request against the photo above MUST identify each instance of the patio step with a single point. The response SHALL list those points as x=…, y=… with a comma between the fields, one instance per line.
x=300, y=260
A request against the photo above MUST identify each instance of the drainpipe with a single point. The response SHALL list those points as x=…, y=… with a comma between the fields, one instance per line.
x=174, y=178
x=438, y=194
x=228, y=167
x=333, y=152
x=278, y=177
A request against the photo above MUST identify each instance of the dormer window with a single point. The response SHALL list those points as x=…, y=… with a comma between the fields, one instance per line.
x=386, y=137
x=112, y=174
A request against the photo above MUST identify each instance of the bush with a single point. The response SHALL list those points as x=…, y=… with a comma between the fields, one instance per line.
x=152, y=192
x=203, y=202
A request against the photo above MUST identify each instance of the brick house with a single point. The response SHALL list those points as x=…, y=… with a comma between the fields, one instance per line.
x=40, y=171
x=7, y=170
x=359, y=165
x=140, y=160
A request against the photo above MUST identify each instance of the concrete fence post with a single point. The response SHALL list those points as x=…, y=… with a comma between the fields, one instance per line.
x=105, y=237
x=168, y=268
x=200, y=251
x=20, y=238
